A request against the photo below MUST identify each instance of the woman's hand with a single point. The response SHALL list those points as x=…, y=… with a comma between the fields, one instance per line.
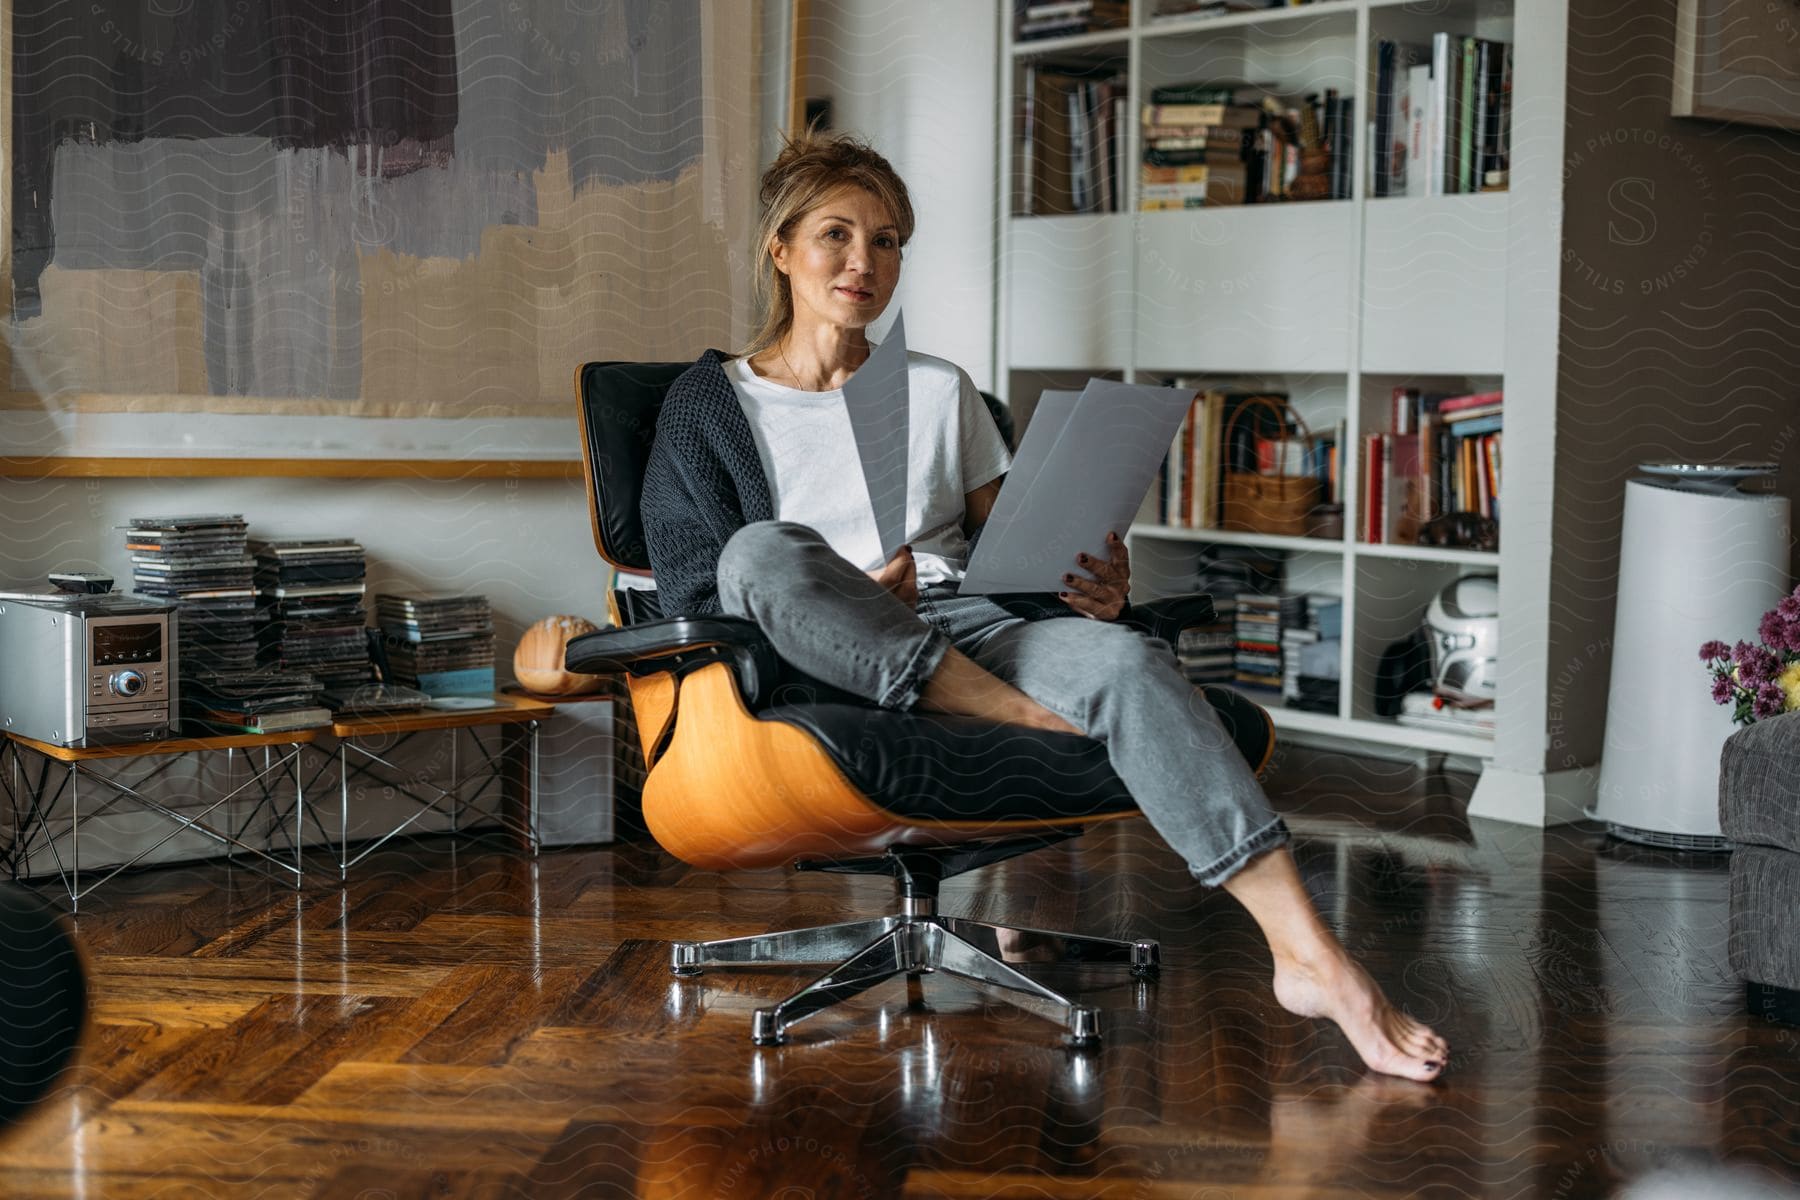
x=900, y=577
x=1103, y=597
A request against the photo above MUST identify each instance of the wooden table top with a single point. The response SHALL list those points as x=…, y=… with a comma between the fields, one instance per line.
x=173, y=745
x=504, y=710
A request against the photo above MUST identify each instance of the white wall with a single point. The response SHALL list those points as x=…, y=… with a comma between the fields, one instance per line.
x=918, y=79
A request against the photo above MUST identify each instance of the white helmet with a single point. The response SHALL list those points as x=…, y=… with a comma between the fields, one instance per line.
x=1463, y=626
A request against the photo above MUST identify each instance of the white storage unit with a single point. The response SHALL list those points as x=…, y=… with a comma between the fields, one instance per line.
x=1336, y=302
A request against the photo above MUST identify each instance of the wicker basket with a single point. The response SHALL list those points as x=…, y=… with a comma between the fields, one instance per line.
x=1271, y=504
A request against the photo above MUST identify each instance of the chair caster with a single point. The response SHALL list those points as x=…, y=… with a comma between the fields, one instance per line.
x=1146, y=958
x=684, y=959
x=765, y=1030
x=1084, y=1029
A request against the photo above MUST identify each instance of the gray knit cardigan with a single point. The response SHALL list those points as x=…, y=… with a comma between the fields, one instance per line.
x=704, y=482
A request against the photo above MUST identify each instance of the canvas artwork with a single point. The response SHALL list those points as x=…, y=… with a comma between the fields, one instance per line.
x=400, y=209
x=1738, y=60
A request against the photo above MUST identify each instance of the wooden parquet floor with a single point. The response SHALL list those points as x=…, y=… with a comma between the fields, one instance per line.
x=459, y=1021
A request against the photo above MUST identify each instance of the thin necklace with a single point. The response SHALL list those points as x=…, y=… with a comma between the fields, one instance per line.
x=795, y=375
x=792, y=374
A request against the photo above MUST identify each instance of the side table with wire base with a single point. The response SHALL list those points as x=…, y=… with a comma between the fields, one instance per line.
x=38, y=797
x=367, y=749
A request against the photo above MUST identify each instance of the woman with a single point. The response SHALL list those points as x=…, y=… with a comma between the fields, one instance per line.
x=753, y=505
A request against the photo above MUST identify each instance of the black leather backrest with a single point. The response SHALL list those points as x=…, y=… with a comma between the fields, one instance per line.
x=619, y=403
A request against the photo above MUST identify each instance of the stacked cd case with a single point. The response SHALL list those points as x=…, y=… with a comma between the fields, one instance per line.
x=311, y=616
x=443, y=645
x=200, y=563
x=264, y=700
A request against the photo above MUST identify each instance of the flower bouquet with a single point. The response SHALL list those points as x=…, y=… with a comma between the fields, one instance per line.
x=1760, y=681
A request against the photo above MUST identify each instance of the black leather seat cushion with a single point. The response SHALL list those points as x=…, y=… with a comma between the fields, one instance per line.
x=928, y=766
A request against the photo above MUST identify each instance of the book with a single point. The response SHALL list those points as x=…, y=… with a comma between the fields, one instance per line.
x=1226, y=116
x=1418, y=129
x=1451, y=404
x=1374, y=489
x=1186, y=173
x=1214, y=93
x=1079, y=148
x=1400, y=140
x=1469, y=424
x=1468, y=118
x=1382, y=144
x=1052, y=189
x=1443, y=130
x=1498, y=170
x=1023, y=139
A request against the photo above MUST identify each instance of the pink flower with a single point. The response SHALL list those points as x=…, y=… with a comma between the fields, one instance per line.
x=1789, y=608
x=1721, y=689
x=1714, y=649
x=1755, y=665
x=1779, y=632
x=1769, y=700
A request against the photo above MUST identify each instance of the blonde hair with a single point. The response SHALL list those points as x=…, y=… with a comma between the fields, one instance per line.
x=809, y=168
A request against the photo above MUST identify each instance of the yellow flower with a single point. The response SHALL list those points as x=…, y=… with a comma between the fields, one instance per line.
x=1789, y=680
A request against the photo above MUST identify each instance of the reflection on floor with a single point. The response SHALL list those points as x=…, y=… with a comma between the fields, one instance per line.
x=461, y=1022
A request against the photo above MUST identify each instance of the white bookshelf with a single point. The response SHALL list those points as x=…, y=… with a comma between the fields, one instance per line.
x=1334, y=301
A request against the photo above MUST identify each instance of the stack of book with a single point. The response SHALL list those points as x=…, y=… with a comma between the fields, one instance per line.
x=1442, y=123
x=1198, y=150
x=1070, y=144
x=312, y=607
x=441, y=645
x=1207, y=144
x=1425, y=710
x=1190, y=483
x=1035, y=20
x=1311, y=654
x=1442, y=457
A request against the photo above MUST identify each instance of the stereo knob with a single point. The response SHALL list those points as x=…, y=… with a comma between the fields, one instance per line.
x=127, y=683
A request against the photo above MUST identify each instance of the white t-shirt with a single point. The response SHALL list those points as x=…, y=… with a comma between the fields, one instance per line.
x=815, y=474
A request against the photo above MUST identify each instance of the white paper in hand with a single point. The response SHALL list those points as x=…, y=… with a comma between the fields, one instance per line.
x=879, y=404
x=1081, y=472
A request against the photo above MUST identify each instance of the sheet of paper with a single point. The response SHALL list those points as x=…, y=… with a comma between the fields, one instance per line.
x=1048, y=419
x=879, y=404
x=1074, y=479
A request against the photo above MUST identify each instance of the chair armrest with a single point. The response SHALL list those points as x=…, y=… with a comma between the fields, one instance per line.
x=680, y=644
x=1166, y=618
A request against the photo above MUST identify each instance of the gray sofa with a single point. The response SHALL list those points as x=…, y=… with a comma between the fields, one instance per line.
x=1759, y=808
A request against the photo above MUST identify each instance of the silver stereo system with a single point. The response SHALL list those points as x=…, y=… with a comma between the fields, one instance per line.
x=82, y=665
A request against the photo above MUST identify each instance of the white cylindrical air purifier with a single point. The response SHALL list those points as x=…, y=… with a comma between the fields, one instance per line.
x=1698, y=560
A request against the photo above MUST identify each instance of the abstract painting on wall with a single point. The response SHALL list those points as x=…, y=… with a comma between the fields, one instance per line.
x=370, y=208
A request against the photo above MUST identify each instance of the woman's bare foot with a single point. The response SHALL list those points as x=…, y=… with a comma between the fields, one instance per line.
x=1334, y=986
x=1316, y=977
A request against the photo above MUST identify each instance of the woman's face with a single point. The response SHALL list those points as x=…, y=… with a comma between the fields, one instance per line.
x=842, y=261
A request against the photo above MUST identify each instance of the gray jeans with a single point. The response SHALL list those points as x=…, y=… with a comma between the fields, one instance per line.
x=836, y=624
